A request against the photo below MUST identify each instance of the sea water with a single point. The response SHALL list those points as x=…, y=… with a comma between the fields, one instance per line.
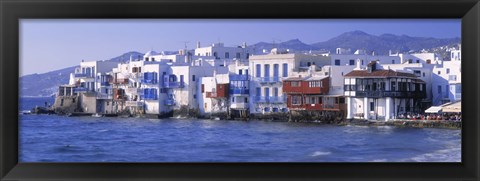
x=54, y=138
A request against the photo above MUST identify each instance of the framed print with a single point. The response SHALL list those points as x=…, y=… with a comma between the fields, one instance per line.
x=239, y=90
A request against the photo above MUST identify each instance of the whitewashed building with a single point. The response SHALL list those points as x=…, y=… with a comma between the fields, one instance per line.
x=268, y=71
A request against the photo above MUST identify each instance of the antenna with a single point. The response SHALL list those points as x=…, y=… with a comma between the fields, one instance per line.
x=185, y=43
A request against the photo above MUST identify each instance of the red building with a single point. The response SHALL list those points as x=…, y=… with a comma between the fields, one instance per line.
x=311, y=94
x=221, y=91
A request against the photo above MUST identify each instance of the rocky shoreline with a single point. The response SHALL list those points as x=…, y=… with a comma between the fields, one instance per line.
x=329, y=119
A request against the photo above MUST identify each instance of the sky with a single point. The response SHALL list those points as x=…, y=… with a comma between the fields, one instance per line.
x=47, y=45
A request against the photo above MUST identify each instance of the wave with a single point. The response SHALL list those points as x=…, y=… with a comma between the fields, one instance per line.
x=444, y=155
x=320, y=153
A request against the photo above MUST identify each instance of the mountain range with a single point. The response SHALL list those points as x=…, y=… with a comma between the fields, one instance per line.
x=46, y=84
x=354, y=40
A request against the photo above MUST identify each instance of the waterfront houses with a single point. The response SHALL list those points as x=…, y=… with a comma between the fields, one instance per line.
x=269, y=71
x=381, y=93
x=233, y=82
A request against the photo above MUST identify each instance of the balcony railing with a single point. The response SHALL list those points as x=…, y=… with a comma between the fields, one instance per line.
x=173, y=84
x=80, y=89
x=417, y=94
x=278, y=99
x=169, y=102
x=82, y=75
x=262, y=99
x=270, y=80
x=239, y=77
x=239, y=91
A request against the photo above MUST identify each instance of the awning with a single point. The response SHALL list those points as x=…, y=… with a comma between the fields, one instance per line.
x=453, y=108
x=433, y=109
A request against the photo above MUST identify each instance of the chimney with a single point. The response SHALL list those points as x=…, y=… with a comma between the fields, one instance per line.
x=357, y=65
x=198, y=44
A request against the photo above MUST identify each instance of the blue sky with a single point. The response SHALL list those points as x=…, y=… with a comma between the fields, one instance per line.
x=47, y=45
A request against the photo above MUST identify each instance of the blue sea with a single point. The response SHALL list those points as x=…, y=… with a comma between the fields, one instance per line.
x=53, y=138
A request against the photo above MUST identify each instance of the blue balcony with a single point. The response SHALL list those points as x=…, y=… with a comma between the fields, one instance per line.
x=278, y=99
x=169, y=102
x=239, y=91
x=262, y=99
x=173, y=84
x=79, y=89
x=239, y=77
x=269, y=80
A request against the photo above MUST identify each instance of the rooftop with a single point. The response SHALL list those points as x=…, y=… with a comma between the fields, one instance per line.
x=379, y=73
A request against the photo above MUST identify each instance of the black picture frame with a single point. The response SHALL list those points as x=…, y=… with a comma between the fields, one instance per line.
x=11, y=11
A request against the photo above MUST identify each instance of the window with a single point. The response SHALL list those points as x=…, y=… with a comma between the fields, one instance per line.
x=195, y=96
x=372, y=106
x=227, y=55
x=275, y=70
x=237, y=55
x=337, y=62
x=439, y=89
x=446, y=90
x=296, y=100
x=240, y=72
x=362, y=62
x=439, y=72
x=418, y=61
x=215, y=55
x=295, y=84
x=193, y=78
x=393, y=61
x=393, y=86
x=423, y=74
x=233, y=99
x=266, y=71
x=246, y=100
x=448, y=70
x=352, y=62
x=203, y=88
x=285, y=70
x=452, y=77
x=259, y=71
x=248, y=55
x=314, y=84
x=153, y=59
x=417, y=73
x=410, y=61
x=275, y=92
